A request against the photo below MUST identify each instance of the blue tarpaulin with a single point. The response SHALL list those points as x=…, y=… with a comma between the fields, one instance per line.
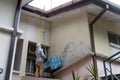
x=53, y=63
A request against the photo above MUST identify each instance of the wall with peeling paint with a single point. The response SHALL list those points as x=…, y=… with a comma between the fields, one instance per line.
x=70, y=38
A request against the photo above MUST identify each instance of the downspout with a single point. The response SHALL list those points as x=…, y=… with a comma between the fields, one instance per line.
x=13, y=38
x=91, y=25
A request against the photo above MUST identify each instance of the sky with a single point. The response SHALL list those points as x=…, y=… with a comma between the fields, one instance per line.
x=115, y=2
x=47, y=4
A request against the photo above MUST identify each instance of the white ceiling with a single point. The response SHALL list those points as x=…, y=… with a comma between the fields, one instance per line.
x=89, y=8
x=92, y=9
x=112, y=17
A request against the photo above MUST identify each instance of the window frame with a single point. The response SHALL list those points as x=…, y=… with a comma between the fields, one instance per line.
x=31, y=56
x=114, y=44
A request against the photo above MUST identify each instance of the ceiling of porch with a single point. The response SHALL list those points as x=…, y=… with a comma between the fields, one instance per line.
x=92, y=9
x=24, y=2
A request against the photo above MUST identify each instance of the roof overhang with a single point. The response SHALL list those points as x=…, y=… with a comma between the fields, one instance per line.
x=81, y=3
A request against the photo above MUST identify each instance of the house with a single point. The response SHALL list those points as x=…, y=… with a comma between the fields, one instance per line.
x=82, y=32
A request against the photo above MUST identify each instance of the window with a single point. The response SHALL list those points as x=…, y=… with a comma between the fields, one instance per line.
x=30, y=65
x=30, y=68
x=119, y=40
x=114, y=38
x=31, y=47
x=18, y=54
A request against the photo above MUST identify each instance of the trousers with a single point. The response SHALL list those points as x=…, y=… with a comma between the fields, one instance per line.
x=39, y=69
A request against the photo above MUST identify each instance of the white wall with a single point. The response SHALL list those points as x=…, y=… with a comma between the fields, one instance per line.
x=63, y=31
x=118, y=28
x=70, y=38
x=16, y=77
x=73, y=29
x=101, y=28
x=4, y=50
x=7, y=12
x=34, y=29
x=7, y=8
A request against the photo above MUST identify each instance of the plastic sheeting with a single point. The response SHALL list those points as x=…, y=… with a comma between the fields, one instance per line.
x=53, y=63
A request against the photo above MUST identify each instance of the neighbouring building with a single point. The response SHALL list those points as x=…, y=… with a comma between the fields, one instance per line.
x=81, y=32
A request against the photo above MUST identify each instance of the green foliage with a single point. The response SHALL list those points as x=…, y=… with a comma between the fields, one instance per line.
x=93, y=71
x=21, y=78
x=75, y=77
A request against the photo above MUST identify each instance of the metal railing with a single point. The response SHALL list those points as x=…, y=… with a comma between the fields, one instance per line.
x=110, y=60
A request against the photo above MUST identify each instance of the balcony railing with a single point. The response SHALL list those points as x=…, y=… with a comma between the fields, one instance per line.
x=110, y=60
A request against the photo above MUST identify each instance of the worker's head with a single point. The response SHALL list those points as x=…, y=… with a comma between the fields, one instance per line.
x=38, y=45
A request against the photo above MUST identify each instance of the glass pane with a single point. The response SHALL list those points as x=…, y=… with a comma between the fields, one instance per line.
x=32, y=47
x=119, y=40
x=18, y=55
x=32, y=70
x=28, y=66
x=112, y=38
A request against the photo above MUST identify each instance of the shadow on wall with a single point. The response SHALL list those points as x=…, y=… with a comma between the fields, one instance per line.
x=73, y=52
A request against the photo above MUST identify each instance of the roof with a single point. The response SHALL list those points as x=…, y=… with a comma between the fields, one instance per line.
x=91, y=6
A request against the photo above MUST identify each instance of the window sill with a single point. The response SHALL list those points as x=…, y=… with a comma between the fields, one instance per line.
x=16, y=72
x=115, y=45
x=30, y=74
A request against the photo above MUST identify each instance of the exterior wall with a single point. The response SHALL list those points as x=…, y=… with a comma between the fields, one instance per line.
x=101, y=29
x=79, y=67
x=6, y=24
x=38, y=30
x=4, y=51
x=16, y=77
x=73, y=29
x=34, y=29
x=118, y=28
x=7, y=20
x=102, y=45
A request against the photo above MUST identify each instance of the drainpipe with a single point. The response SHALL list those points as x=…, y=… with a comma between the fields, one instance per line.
x=91, y=25
x=13, y=38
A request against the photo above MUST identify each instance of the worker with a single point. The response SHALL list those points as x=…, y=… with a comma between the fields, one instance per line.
x=40, y=57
